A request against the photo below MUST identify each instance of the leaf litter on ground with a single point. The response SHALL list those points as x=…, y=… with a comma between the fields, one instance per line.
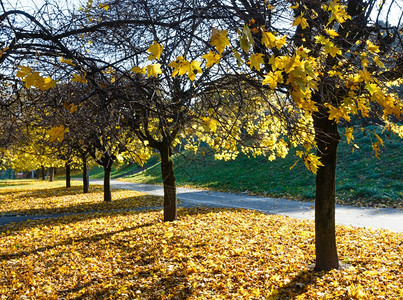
x=206, y=254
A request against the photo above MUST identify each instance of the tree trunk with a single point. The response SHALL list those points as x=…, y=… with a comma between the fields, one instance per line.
x=107, y=182
x=51, y=174
x=168, y=178
x=68, y=177
x=43, y=172
x=327, y=138
x=86, y=176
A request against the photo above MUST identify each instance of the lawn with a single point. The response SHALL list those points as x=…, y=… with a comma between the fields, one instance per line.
x=206, y=254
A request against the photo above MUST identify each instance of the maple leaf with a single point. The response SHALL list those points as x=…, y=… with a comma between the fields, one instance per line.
x=211, y=58
x=57, y=133
x=273, y=78
x=372, y=47
x=79, y=78
x=67, y=61
x=255, y=60
x=300, y=21
x=23, y=71
x=270, y=40
x=155, y=51
x=332, y=49
x=312, y=162
x=103, y=6
x=219, y=39
x=139, y=70
x=194, y=68
x=153, y=70
x=349, y=135
x=331, y=32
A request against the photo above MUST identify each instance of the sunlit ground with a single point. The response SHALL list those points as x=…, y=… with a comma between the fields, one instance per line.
x=206, y=254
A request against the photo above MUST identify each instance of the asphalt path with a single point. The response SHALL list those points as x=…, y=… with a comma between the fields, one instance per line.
x=387, y=218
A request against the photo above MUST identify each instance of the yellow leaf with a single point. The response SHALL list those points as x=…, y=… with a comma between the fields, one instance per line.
x=57, y=133
x=211, y=59
x=378, y=62
x=331, y=32
x=238, y=58
x=23, y=71
x=273, y=78
x=219, y=39
x=301, y=21
x=210, y=125
x=194, y=68
x=349, y=135
x=155, y=51
x=378, y=138
x=79, y=78
x=312, y=162
x=104, y=6
x=372, y=47
x=136, y=69
x=67, y=61
x=153, y=70
x=255, y=60
x=331, y=49
x=268, y=39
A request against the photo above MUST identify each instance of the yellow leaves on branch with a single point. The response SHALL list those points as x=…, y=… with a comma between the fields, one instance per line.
x=273, y=78
x=336, y=113
x=219, y=39
x=271, y=40
x=210, y=125
x=34, y=79
x=182, y=66
x=338, y=12
x=311, y=161
x=57, y=133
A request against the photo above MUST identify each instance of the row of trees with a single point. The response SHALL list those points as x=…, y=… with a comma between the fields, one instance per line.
x=126, y=78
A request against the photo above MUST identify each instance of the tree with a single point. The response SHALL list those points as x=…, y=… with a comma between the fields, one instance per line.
x=336, y=64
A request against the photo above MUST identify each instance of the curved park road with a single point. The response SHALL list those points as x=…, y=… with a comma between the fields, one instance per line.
x=387, y=218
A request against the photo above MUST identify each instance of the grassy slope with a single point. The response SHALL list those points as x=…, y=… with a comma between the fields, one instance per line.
x=362, y=179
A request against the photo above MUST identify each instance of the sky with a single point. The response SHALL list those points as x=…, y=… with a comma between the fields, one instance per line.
x=395, y=12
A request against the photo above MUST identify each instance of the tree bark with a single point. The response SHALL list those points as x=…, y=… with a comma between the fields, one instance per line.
x=107, y=182
x=43, y=172
x=86, y=176
x=68, y=177
x=327, y=138
x=51, y=174
x=168, y=178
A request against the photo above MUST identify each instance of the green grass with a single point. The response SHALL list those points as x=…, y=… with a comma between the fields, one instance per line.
x=362, y=179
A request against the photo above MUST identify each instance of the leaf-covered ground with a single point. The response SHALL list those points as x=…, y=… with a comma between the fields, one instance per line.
x=28, y=197
x=206, y=254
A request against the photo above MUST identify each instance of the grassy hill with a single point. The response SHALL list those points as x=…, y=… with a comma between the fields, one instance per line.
x=362, y=179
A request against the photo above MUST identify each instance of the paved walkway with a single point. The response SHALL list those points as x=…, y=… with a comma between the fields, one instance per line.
x=387, y=218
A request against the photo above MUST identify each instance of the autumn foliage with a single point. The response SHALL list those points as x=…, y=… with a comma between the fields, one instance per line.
x=205, y=254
